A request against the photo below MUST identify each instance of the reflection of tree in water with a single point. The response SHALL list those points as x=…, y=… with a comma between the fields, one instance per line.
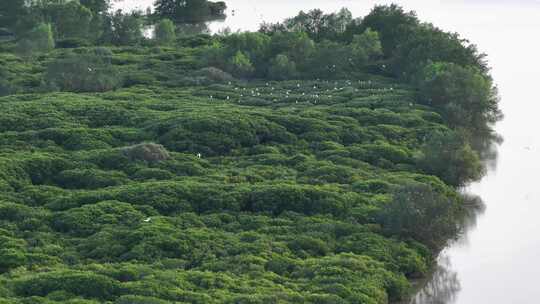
x=487, y=148
x=474, y=208
x=443, y=286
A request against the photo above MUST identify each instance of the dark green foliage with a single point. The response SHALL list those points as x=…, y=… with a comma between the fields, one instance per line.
x=11, y=12
x=419, y=212
x=72, y=43
x=122, y=29
x=215, y=74
x=315, y=23
x=447, y=155
x=391, y=22
x=282, y=68
x=190, y=11
x=86, y=284
x=89, y=219
x=464, y=96
x=90, y=72
x=69, y=19
x=38, y=40
x=96, y=6
x=5, y=85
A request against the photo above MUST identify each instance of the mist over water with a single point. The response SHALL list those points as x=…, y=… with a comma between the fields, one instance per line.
x=496, y=260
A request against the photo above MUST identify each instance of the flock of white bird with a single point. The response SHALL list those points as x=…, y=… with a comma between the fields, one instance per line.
x=318, y=91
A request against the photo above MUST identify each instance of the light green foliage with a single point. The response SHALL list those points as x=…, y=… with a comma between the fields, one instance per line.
x=275, y=193
x=240, y=65
x=165, y=32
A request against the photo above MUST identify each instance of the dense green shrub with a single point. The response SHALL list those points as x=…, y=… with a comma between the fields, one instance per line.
x=82, y=73
x=83, y=283
x=419, y=212
x=450, y=157
x=89, y=219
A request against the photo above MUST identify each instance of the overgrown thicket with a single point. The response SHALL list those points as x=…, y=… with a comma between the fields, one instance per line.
x=314, y=161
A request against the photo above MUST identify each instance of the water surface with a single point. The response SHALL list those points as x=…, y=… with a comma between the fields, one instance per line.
x=497, y=261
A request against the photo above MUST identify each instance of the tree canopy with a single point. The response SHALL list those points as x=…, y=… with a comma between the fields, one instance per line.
x=189, y=11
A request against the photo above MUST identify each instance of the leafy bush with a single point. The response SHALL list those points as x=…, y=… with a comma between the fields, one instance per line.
x=83, y=283
x=82, y=73
x=417, y=211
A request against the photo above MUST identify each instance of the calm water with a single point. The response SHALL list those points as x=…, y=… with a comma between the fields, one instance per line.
x=498, y=260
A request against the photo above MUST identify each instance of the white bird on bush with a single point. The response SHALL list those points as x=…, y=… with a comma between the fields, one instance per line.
x=147, y=220
x=199, y=155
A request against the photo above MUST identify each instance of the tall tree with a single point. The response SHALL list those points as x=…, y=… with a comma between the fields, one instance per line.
x=122, y=29
x=69, y=20
x=165, y=32
x=10, y=12
x=189, y=11
x=97, y=6
x=392, y=23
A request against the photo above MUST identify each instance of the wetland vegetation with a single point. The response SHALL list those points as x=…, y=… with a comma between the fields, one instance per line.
x=317, y=160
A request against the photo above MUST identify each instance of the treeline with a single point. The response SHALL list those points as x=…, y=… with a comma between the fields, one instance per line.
x=448, y=71
x=77, y=23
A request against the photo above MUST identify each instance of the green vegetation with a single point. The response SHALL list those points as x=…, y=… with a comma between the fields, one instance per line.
x=190, y=11
x=165, y=32
x=304, y=163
